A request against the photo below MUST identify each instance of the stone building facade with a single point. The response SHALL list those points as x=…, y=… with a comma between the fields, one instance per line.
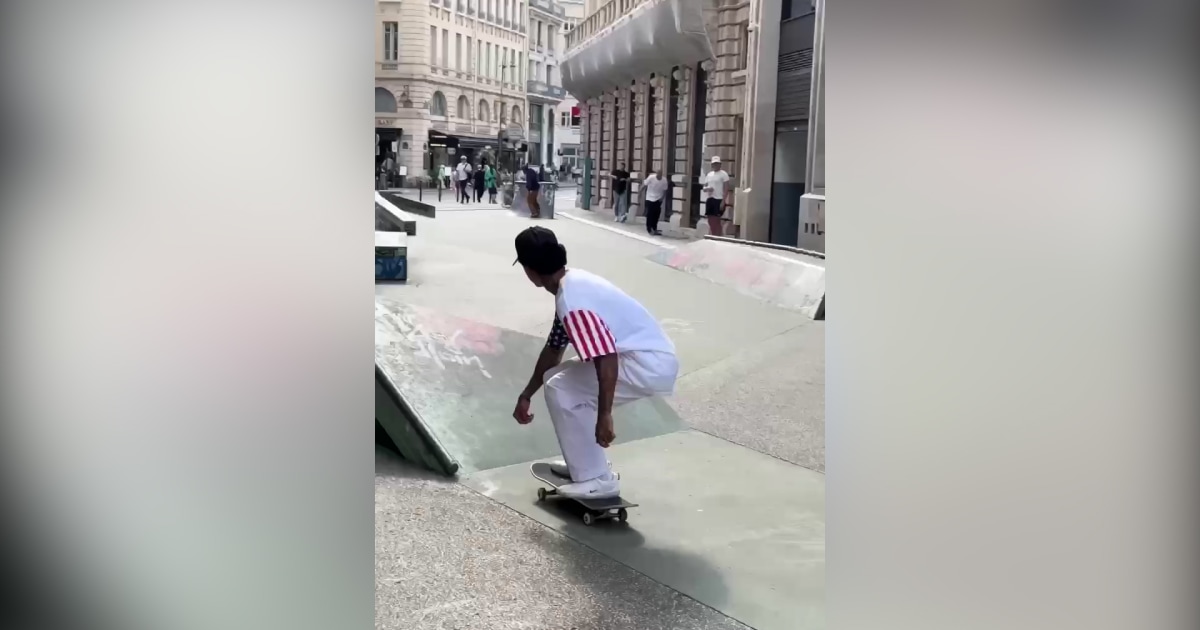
x=449, y=76
x=714, y=79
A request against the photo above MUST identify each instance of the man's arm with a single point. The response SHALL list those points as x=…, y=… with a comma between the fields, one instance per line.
x=549, y=358
x=551, y=355
x=606, y=373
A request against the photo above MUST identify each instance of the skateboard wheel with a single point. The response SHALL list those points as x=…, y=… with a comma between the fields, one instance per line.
x=541, y=494
x=622, y=515
x=588, y=519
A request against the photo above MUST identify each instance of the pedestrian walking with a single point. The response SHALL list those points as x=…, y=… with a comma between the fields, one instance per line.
x=489, y=181
x=655, y=187
x=479, y=182
x=462, y=176
x=532, y=185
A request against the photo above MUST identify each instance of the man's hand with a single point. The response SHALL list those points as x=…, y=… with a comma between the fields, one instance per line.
x=605, y=434
x=521, y=413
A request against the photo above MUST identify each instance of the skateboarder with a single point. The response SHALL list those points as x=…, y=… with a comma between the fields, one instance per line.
x=624, y=355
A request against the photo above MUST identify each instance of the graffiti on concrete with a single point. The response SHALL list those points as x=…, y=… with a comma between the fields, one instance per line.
x=440, y=340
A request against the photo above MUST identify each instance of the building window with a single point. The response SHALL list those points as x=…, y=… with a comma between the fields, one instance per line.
x=483, y=113
x=445, y=48
x=464, y=108
x=564, y=119
x=391, y=41
x=437, y=105
x=487, y=61
x=385, y=102
x=516, y=113
x=433, y=45
x=458, y=51
x=743, y=46
x=470, y=57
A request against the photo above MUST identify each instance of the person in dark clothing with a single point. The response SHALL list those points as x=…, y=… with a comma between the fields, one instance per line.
x=532, y=185
x=479, y=182
x=620, y=187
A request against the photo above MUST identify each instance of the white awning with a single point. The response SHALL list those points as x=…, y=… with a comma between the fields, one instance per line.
x=654, y=38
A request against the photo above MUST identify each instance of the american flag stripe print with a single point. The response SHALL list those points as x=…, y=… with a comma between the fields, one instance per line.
x=589, y=335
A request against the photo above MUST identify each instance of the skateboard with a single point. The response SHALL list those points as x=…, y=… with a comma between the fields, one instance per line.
x=594, y=509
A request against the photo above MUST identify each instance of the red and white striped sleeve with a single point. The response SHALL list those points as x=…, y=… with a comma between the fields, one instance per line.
x=589, y=334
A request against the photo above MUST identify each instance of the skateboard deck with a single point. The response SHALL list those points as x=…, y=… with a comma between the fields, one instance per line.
x=594, y=509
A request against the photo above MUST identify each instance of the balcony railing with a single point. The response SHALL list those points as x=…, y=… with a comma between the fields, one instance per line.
x=541, y=88
x=548, y=7
x=598, y=21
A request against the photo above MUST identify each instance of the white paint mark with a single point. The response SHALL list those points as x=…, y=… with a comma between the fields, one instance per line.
x=403, y=329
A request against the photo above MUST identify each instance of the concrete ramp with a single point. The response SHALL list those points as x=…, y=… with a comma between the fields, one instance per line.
x=448, y=387
x=792, y=281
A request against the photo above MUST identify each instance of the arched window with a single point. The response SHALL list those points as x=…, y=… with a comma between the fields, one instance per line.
x=484, y=114
x=464, y=108
x=437, y=105
x=384, y=101
x=516, y=115
x=497, y=112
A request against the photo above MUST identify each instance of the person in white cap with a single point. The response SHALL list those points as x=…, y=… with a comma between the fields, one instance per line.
x=715, y=183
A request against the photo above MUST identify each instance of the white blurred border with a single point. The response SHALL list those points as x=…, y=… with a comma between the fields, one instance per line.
x=186, y=307
x=1010, y=359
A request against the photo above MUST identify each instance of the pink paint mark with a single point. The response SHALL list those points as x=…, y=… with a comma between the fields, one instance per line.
x=464, y=334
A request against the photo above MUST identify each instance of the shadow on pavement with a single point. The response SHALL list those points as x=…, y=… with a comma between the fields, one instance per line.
x=614, y=593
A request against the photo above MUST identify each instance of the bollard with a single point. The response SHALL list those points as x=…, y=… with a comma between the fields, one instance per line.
x=420, y=189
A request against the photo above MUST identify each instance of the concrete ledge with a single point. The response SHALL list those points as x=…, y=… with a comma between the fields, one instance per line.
x=784, y=248
x=788, y=280
x=396, y=202
x=388, y=221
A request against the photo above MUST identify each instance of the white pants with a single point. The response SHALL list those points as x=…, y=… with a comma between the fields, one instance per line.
x=572, y=390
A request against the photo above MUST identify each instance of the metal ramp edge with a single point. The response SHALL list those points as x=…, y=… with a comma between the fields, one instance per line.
x=407, y=431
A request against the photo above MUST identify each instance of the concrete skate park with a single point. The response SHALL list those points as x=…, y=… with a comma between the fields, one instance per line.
x=728, y=474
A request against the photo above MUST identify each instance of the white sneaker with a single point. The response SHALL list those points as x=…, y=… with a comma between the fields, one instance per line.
x=601, y=487
x=559, y=467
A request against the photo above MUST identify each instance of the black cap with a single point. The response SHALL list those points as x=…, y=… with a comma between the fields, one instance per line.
x=538, y=248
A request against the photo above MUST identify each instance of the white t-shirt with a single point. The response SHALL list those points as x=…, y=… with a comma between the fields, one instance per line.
x=716, y=180
x=599, y=319
x=656, y=187
x=464, y=170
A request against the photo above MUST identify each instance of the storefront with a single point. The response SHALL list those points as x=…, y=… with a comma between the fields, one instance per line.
x=443, y=150
x=447, y=149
